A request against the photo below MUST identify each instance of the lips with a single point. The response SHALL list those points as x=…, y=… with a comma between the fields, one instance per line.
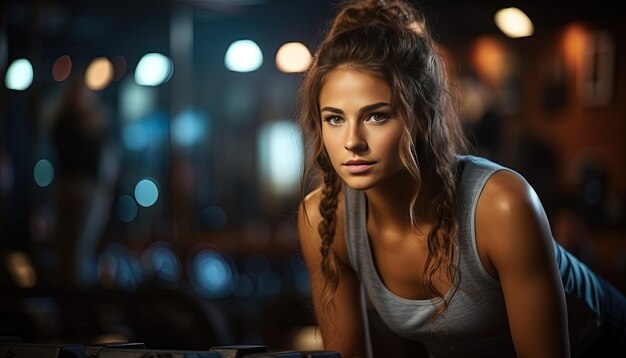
x=358, y=166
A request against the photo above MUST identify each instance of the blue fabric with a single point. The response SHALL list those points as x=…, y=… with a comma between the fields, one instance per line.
x=612, y=340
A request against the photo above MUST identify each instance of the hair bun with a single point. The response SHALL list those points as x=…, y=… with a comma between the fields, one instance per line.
x=389, y=13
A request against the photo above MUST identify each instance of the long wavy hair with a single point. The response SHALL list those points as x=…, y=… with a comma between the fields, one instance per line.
x=390, y=39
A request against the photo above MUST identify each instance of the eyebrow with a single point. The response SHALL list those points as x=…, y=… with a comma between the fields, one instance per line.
x=369, y=107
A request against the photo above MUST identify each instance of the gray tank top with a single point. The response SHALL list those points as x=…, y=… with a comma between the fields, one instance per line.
x=475, y=323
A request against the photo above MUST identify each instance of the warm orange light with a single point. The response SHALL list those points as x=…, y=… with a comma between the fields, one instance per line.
x=21, y=269
x=492, y=60
x=293, y=57
x=514, y=23
x=576, y=38
x=99, y=74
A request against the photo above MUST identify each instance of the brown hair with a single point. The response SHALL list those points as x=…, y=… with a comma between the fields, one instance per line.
x=390, y=39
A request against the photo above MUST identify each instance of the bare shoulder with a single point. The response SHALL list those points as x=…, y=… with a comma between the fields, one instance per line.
x=308, y=212
x=507, y=195
x=511, y=224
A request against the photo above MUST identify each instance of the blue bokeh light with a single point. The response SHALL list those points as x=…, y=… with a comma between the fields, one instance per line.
x=146, y=192
x=135, y=136
x=213, y=274
x=19, y=75
x=188, y=127
x=43, y=173
x=243, y=56
x=146, y=133
x=153, y=69
x=161, y=260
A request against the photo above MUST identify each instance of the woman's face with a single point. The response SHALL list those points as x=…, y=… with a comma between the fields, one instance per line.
x=359, y=131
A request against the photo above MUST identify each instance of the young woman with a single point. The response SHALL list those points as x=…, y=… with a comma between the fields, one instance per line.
x=453, y=251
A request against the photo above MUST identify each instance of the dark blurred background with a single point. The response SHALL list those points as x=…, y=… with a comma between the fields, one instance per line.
x=149, y=162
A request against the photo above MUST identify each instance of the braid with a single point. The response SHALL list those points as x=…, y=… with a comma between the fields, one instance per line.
x=331, y=267
x=328, y=225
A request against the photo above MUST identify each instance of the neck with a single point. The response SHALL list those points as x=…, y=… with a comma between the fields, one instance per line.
x=389, y=204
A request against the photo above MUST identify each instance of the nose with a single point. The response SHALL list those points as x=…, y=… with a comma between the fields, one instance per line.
x=355, y=141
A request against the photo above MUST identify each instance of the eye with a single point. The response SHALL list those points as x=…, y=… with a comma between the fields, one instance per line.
x=377, y=117
x=333, y=120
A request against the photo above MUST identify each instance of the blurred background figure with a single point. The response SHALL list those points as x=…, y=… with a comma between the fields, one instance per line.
x=88, y=166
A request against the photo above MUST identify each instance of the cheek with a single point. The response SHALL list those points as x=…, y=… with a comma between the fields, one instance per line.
x=388, y=142
x=329, y=142
x=389, y=147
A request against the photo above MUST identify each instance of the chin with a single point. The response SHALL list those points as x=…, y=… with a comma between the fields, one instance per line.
x=361, y=183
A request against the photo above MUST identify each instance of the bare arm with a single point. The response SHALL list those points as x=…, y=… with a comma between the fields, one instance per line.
x=341, y=328
x=511, y=224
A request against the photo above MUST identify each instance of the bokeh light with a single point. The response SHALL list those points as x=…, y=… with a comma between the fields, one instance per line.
x=135, y=136
x=43, y=173
x=21, y=269
x=188, y=127
x=146, y=192
x=136, y=101
x=153, y=69
x=162, y=261
x=492, y=59
x=145, y=134
x=212, y=274
x=243, y=56
x=293, y=57
x=280, y=156
x=513, y=22
x=62, y=68
x=99, y=74
x=19, y=75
